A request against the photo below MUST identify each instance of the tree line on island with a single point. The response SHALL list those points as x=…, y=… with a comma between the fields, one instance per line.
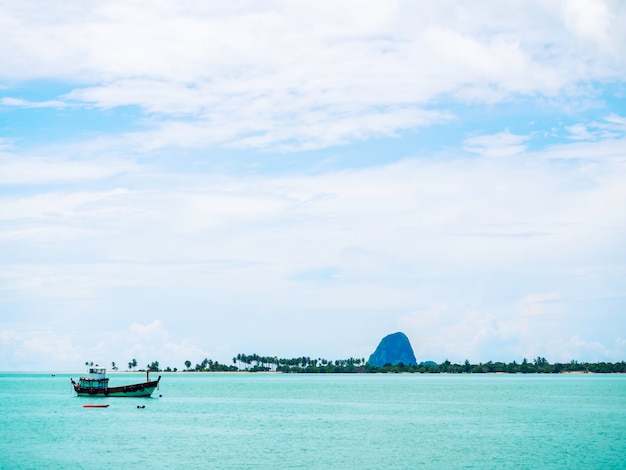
x=304, y=364
x=394, y=354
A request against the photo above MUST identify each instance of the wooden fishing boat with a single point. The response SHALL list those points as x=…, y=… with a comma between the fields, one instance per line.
x=97, y=384
x=96, y=406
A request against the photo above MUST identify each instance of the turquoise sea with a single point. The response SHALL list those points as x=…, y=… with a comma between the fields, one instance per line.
x=342, y=421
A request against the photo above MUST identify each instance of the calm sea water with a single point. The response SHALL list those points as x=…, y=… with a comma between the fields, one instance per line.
x=275, y=421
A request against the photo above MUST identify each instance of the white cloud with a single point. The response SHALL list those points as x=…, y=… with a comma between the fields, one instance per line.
x=612, y=127
x=540, y=305
x=293, y=76
x=5, y=145
x=47, y=349
x=7, y=101
x=279, y=134
x=460, y=333
x=596, y=150
x=503, y=144
x=396, y=203
x=618, y=123
x=589, y=19
x=439, y=237
x=152, y=331
x=40, y=349
x=24, y=169
x=579, y=132
x=580, y=347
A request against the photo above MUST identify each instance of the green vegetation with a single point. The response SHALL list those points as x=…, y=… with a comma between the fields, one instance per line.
x=257, y=363
x=539, y=366
x=208, y=365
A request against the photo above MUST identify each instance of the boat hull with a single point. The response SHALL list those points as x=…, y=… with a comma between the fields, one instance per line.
x=127, y=391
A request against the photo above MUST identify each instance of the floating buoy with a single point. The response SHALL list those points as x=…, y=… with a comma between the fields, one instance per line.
x=141, y=406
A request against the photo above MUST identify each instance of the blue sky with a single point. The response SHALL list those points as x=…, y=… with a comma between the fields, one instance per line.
x=185, y=180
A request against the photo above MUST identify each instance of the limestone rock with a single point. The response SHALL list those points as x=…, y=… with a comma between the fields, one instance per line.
x=393, y=349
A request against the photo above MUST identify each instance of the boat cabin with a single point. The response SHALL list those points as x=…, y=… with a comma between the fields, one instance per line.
x=97, y=372
x=96, y=379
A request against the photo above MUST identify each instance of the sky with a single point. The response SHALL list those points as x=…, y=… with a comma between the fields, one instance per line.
x=182, y=180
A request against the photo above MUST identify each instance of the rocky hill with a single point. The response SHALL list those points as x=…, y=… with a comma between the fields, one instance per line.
x=393, y=349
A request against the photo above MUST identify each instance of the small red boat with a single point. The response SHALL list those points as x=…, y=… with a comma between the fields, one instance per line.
x=95, y=406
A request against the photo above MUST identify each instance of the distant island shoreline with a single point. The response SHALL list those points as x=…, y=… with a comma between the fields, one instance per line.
x=254, y=363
